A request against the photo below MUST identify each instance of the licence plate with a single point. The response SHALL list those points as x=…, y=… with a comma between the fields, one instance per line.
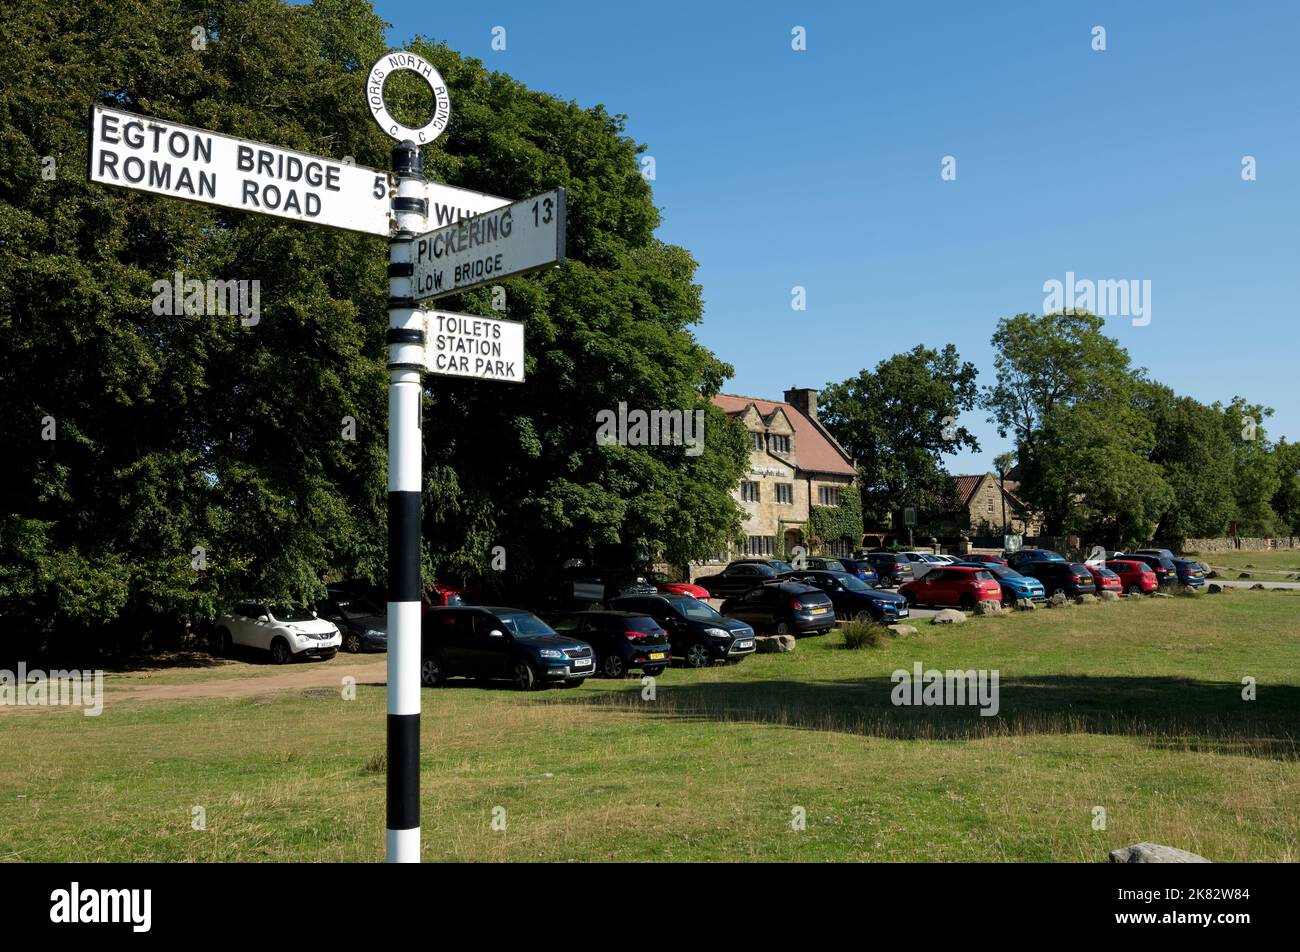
x=744, y=644
x=656, y=655
x=903, y=613
x=820, y=611
x=581, y=662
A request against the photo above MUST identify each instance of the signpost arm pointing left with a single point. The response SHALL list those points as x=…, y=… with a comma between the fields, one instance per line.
x=405, y=389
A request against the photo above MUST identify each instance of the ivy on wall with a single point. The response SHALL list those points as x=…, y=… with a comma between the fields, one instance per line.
x=831, y=523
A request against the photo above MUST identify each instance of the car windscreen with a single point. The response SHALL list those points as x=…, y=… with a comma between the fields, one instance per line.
x=286, y=613
x=984, y=575
x=356, y=608
x=778, y=566
x=834, y=565
x=524, y=624
x=641, y=623
x=1002, y=571
x=695, y=610
x=853, y=583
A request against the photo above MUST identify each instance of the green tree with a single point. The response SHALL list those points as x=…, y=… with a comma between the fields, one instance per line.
x=1286, y=501
x=897, y=421
x=1255, y=475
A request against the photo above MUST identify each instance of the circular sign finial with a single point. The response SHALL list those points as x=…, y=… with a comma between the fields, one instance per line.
x=396, y=61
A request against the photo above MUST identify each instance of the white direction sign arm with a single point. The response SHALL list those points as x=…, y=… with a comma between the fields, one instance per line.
x=518, y=238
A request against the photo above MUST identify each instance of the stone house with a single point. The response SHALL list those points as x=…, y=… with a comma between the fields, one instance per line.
x=794, y=464
x=986, y=508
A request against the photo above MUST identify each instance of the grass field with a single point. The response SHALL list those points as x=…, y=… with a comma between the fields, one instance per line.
x=1271, y=566
x=1134, y=707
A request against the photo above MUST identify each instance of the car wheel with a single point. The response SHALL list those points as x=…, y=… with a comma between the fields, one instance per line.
x=783, y=629
x=523, y=675
x=697, y=656
x=431, y=672
x=352, y=642
x=225, y=644
x=863, y=616
x=280, y=651
x=1134, y=590
x=911, y=600
x=967, y=603
x=613, y=666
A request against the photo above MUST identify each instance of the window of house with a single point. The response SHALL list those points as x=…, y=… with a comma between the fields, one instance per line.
x=785, y=493
x=779, y=443
x=990, y=504
x=755, y=440
x=828, y=495
x=749, y=492
x=842, y=548
x=760, y=546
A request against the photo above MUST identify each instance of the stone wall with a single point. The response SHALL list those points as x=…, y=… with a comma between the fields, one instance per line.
x=1229, y=544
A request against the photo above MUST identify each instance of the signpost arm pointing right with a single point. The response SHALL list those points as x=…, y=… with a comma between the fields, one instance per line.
x=405, y=390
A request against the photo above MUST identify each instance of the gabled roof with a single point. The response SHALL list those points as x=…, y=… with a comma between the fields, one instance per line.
x=816, y=450
x=966, y=486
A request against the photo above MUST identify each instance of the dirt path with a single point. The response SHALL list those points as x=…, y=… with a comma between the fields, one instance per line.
x=371, y=669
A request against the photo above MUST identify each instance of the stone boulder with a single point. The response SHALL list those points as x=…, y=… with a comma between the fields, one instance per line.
x=771, y=644
x=1213, y=589
x=949, y=616
x=1257, y=587
x=1087, y=599
x=1154, y=853
x=1244, y=575
x=1025, y=605
x=902, y=630
x=988, y=608
x=1058, y=601
x=1109, y=596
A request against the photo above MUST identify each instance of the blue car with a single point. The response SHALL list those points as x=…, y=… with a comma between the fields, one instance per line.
x=862, y=569
x=1190, y=573
x=854, y=598
x=1015, y=586
x=1020, y=556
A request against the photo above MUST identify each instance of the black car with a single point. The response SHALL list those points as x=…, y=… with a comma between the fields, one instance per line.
x=785, y=607
x=1057, y=575
x=584, y=586
x=1165, y=569
x=892, y=568
x=489, y=642
x=699, y=635
x=738, y=577
x=363, y=624
x=854, y=598
x=1031, y=555
x=623, y=640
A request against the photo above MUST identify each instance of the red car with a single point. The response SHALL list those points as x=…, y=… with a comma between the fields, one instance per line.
x=986, y=557
x=664, y=584
x=1106, y=578
x=960, y=585
x=443, y=595
x=1137, y=578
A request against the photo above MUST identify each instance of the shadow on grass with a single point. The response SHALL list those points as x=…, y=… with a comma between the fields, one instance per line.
x=1165, y=713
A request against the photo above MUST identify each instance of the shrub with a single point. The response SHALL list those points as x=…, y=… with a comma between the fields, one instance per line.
x=861, y=634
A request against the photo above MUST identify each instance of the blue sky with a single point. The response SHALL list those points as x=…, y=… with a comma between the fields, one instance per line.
x=821, y=169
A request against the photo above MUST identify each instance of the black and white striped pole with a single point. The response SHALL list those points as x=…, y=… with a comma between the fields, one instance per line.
x=405, y=445
x=410, y=209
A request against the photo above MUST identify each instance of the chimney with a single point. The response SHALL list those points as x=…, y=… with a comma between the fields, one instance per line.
x=803, y=399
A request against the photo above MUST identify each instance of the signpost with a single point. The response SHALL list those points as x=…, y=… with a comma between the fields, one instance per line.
x=479, y=238
x=464, y=345
x=515, y=239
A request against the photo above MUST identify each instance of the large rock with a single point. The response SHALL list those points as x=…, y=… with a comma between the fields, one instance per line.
x=1244, y=575
x=949, y=616
x=988, y=608
x=1086, y=599
x=770, y=644
x=1153, y=853
x=902, y=630
x=1109, y=595
x=1257, y=587
x=1025, y=605
x=1213, y=589
x=1058, y=601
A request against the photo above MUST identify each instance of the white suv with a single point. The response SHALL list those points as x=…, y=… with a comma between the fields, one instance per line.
x=285, y=632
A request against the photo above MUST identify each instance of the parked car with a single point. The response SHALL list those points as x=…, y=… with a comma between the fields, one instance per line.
x=586, y=586
x=783, y=607
x=623, y=641
x=440, y=595
x=863, y=570
x=490, y=642
x=1136, y=577
x=1058, y=575
x=284, y=631
x=698, y=633
x=818, y=564
x=854, y=598
x=1162, y=553
x=922, y=562
x=1190, y=573
x=1015, y=587
x=362, y=623
x=962, y=586
x=892, y=568
x=778, y=565
x=1105, y=579
x=1165, y=570
x=1014, y=559
x=737, y=578
x=663, y=583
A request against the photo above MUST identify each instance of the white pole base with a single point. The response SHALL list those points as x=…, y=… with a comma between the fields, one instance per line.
x=403, y=846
